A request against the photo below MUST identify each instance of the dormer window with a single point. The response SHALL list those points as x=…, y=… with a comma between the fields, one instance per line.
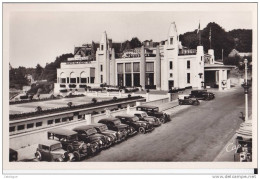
x=171, y=40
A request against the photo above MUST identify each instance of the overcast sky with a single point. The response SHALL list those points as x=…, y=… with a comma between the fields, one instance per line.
x=39, y=37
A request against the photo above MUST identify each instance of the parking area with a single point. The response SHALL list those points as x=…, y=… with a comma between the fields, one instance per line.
x=195, y=133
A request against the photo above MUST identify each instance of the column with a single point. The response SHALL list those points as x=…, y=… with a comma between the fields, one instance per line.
x=220, y=78
x=142, y=68
x=158, y=69
x=107, y=68
x=113, y=71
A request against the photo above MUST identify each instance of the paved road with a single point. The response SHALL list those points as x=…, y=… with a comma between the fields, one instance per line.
x=195, y=134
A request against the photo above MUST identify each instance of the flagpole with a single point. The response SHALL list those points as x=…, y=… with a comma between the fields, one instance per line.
x=210, y=38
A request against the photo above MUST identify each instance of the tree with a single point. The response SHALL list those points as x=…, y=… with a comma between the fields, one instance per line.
x=38, y=72
x=69, y=104
x=135, y=42
x=93, y=51
x=94, y=100
x=38, y=109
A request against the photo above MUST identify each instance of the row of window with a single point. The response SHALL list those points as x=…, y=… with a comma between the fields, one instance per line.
x=39, y=124
x=77, y=80
x=188, y=77
x=136, y=67
x=171, y=65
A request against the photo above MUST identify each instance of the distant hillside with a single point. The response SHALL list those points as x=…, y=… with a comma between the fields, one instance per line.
x=239, y=39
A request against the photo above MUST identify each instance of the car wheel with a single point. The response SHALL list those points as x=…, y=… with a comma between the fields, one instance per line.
x=180, y=102
x=70, y=148
x=196, y=103
x=141, y=130
x=76, y=155
x=190, y=101
x=38, y=155
x=58, y=160
x=132, y=130
x=162, y=120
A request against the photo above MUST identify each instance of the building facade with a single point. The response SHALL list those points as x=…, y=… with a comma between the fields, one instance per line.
x=160, y=66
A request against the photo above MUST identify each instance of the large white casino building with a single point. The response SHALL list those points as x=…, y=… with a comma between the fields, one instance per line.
x=164, y=66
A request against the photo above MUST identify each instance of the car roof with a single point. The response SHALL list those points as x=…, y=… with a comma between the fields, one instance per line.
x=109, y=119
x=126, y=115
x=137, y=112
x=96, y=124
x=83, y=127
x=49, y=142
x=61, y=131
x=147, y=106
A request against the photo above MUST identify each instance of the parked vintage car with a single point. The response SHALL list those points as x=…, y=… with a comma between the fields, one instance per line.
x=143, y=116
x=202, y=95
x=188, y=100
x=102, y=129
x=90, y=135
x=70, y=142
x=133, y=121
x=13, y=155
x=154, y=111
x=52, y=150
x=123, y=131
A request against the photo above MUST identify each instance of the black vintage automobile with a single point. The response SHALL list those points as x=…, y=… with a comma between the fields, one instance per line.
x=114, y=124
x=90, y=135
x=133, y=121
x=188, y=100
x=52, y=150
x=154, y=111
x=143, y=116
x=103, y=129
x=13, y=155
x=70, y=142
x=202, y=95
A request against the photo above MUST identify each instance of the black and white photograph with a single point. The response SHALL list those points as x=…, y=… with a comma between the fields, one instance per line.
x=113, y=84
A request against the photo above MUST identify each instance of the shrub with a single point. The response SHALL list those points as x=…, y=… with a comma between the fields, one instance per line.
x=114, y=98
x=69, y=104
x=38, y=109
x=94, y=100
x=129, y=96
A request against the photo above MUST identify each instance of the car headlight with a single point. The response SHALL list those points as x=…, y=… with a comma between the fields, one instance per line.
x=119, y=132
x=63, y=156
x=101, y=142
x=109, y=139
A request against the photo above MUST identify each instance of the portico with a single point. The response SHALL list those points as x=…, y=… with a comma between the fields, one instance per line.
x=217, y=76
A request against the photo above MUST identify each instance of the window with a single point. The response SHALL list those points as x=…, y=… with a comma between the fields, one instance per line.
x=188, y=77
x=102, y=47
x=120, y=68
x=170, y=75
x=149, y=67
x=83, y=80
x=73, y=80
x=12, y=129
x=30, y=125
x=170, y=65
x=188, y=64
x=136, y=67
x=171, y=40
x=128, y=67
x=63, y=80
x=38, y=124
x=50, y=122
x=57, y=120
x=101, y=78
x=201, y=58
x=70, y=118
x=92, y=79
x=101, y=67
x=64, y=119
x=21, y=127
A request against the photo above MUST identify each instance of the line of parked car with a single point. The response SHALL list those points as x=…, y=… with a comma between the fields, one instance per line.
x=194, y=97
x=88, y=140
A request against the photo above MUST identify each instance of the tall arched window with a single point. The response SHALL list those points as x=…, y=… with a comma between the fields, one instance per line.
x=73, y=77
x=83, y=77
x=62, y=77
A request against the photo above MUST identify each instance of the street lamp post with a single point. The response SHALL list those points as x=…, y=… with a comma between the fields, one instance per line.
x=246, y=91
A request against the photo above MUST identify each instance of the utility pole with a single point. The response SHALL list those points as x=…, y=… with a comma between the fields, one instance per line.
x=246, y=92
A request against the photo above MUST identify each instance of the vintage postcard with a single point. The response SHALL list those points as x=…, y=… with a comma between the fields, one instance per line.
x=129, y=86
